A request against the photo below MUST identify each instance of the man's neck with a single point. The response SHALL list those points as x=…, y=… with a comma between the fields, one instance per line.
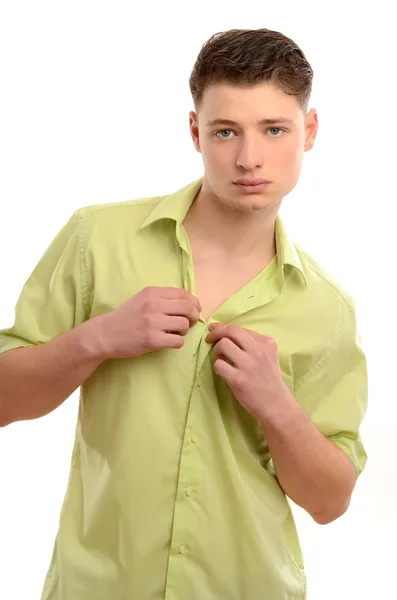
x=224, y=232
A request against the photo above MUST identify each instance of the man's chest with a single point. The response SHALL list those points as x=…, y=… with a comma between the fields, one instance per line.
x=216, y=282
x=247, y=295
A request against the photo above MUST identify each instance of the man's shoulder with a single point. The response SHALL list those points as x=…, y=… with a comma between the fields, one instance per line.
x=321, y=280
x=133, y=211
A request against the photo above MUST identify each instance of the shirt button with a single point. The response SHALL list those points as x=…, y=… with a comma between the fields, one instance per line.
x=199, y=382
x=193, y=439
x=182, y=549
x=188, y=492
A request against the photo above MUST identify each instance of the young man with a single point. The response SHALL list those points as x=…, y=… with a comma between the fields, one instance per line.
x=221, y=367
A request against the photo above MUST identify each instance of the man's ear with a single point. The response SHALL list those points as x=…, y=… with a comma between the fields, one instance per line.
x=311, y=128
x=194, y=130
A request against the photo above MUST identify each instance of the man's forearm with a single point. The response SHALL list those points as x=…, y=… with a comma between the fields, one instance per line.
x=312, y=471
x=36, y=380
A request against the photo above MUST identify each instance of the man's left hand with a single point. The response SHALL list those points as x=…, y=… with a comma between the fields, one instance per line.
x=254, y=373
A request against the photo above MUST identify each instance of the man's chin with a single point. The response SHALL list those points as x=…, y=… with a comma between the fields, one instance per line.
x=250, y=205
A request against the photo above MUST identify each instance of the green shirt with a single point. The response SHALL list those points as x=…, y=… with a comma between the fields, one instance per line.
x=172, y=491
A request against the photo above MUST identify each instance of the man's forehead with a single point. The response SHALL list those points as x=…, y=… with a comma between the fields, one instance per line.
x=231, y=104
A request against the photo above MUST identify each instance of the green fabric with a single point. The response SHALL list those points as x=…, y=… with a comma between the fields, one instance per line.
x=172, y=492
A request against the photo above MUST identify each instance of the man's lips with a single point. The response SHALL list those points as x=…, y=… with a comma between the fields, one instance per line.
x=249, y=188
x=250, y=182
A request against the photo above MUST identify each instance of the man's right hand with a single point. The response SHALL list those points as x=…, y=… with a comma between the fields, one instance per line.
x=155, y=318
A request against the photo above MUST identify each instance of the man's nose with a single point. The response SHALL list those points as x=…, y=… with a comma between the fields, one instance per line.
x=250, y=156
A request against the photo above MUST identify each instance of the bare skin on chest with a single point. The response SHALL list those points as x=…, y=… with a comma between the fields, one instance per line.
x=219, y=277
x=229, y=247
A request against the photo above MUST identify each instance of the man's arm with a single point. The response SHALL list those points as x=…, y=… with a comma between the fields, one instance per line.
x=35, y=380
x=317, y=458
x=312, y=471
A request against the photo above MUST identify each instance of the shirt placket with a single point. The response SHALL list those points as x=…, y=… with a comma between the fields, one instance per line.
x=184, y=531
x=188, y=486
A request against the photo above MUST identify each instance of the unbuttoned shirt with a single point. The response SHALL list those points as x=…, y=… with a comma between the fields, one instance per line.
x=172, y=491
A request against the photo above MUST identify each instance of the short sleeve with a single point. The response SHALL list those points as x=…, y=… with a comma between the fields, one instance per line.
x=54, y=298
x=334, y=393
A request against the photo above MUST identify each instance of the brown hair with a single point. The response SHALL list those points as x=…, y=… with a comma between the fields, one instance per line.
x=249, y=56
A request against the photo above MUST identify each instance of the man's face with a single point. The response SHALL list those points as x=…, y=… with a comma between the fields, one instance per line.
x=250, y=133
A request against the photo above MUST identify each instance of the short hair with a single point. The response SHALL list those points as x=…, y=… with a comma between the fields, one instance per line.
x=249, y=56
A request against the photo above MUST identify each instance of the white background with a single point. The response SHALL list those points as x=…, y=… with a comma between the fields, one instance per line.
x=94, y=104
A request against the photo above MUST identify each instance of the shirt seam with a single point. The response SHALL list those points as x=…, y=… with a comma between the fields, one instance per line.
x=324, y=356
x=83, y=271
x=122, y=204
x=344, y=294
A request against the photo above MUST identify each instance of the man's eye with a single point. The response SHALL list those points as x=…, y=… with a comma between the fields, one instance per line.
x=277, y=129
x=222, y=131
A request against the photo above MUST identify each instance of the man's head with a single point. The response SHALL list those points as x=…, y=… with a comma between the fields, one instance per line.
x=251, y=90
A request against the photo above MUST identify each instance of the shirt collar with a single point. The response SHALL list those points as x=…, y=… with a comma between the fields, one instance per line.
x=175, y=207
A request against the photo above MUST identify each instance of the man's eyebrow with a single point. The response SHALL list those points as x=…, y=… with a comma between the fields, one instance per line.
x=274, y=121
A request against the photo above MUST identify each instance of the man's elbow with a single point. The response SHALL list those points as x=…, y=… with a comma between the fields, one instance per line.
x=331, y=513
x=4, y=419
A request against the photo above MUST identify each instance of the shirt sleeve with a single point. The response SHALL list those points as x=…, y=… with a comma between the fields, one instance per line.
x=54, y=298
x=334, y=392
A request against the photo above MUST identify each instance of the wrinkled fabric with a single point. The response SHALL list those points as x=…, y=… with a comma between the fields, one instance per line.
x=172, y=491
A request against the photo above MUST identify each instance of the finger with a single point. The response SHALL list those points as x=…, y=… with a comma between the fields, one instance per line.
x=225, y=349
x=234, y=333
x=178, y=325
x=170, y=340
x=224, y=370
x=255, y=335
x=170, y=293
x=181, y=308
